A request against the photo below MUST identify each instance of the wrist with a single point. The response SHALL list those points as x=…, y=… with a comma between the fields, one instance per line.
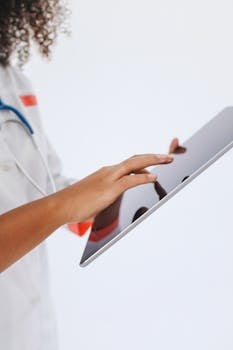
x=58, y=204
x=64, y=206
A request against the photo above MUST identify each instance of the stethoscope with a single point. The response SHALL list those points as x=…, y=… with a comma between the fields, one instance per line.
x=23, y=122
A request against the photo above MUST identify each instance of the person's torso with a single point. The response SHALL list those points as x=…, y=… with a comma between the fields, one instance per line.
x=26, y=320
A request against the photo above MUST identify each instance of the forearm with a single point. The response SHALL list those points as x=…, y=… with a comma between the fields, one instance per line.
x=23, y=228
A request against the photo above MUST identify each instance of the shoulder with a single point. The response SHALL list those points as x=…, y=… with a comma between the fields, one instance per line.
x=22, y=94
x=17, y=90
x=13, y=79
x=20, y=79
x=23, y=87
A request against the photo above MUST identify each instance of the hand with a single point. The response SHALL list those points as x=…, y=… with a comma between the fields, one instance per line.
x=108, y=215
x=99, y=190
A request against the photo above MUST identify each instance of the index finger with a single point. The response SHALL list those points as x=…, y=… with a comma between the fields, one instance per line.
x=142, y=161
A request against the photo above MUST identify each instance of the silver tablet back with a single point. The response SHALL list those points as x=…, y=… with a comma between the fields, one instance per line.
x=195, y=155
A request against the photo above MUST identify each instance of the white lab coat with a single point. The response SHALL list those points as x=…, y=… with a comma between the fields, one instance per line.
x=26, y=314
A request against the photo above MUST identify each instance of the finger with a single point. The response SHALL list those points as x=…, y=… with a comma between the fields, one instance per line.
x=145, y=155
x=130, y=181
x=137, y=163
x=142, y=171
x=173, y=145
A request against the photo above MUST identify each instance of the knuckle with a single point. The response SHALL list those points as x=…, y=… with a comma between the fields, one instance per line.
x=105, y=169
x=124, y=166
x=102, y=171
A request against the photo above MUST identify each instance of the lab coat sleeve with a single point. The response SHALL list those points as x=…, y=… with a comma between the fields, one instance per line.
x=61, y=182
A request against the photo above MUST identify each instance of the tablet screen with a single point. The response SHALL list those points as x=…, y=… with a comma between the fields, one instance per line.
x=190, y=159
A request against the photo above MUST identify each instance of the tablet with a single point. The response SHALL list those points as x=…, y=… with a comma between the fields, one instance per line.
x=136, y=204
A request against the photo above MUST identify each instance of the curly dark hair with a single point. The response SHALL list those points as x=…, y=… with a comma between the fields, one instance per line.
x=23, y=21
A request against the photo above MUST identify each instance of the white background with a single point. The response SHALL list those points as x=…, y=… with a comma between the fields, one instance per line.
x=133, y=75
